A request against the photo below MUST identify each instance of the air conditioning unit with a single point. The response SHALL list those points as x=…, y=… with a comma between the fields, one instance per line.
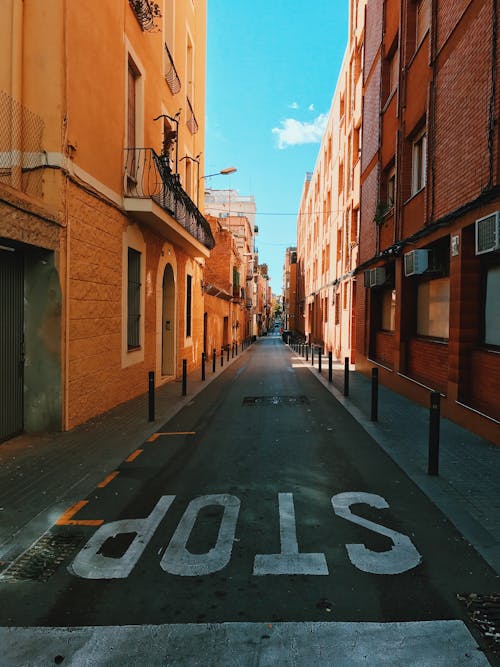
x=416, y=262
x=488, y=233
x=375, y=277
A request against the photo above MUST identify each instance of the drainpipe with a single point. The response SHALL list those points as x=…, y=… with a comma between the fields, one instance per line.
x=16, y=129
x=431, y=115
x=492, y=115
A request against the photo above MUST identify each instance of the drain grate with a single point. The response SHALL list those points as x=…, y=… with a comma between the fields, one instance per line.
x=484, y=610
x=42, y=558
x=290, y=401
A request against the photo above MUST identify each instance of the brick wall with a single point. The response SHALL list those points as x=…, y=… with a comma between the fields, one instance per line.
x=485, y=385
x=384, y=348
x=428, y=362
x=462, y=115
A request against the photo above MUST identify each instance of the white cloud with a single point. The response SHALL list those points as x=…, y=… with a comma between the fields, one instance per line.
x=311, y=107
x=293, y=105
x=293, y=132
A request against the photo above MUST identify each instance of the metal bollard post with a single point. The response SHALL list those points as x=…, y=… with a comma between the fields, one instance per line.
x=307, y=352
x=346, y=376
x=434, y=419
x=374, y=412
x=151, y=396
x=221, y=357
x=184, y=377
x=227, y=354
x=232, y=351
x=330, y=366
x=202, y=366
x=320, y=354
x=312, y=355
x=214, y=360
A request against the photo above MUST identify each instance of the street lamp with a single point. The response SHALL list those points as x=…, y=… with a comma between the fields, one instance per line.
x=224, y=172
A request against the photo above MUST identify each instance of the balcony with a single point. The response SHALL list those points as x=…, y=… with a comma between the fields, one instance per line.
x=171, y=76
x=155, y=196
x=191, y=122
x=145, y=12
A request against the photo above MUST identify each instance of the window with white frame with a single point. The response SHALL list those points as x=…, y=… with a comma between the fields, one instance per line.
x=419, y=155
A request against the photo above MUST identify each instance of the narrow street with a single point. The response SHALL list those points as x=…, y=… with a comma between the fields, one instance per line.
x=260, y=526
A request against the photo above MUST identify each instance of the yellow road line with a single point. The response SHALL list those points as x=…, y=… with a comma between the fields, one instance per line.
x=155, y=436
x=66, y=520
x=133, y=456
x=108, y=479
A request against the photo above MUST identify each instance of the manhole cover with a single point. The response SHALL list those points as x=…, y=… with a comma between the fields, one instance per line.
x=484, y=610
x=42, y=558
x=290, y=401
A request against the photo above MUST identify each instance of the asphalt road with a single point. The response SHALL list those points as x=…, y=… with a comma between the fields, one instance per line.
x=260, y=526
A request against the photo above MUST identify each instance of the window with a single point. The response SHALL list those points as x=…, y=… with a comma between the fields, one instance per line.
x=388, y=320
x=189, y=290
x=422, y=19
x=419, y=153
x=391, y=187
x=433, y=308
x=133, y=76
x=134, y=299
x=492, y=308
x=393, y=67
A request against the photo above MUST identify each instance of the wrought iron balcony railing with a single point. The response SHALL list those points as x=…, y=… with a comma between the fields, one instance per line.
x=148, y=176
x=191, y=122
x=171, y=76
x=145, y=12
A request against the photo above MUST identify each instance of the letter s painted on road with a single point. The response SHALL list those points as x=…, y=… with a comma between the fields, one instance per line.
x=401, y=557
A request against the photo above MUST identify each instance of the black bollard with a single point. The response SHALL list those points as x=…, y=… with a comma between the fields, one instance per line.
x=320, y=353
x=202, y=366
x=221, y=357
x=184, y=377
x=236, y=349
x=374, y=411
x=214, y=360
x=227, y=354
x=434, y=424
x=151, y=396
x=346, y=376
x=312, y=355
x=307, y=352
x=330, y=366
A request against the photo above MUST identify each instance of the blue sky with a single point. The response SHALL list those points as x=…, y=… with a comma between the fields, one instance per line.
x=272, y=67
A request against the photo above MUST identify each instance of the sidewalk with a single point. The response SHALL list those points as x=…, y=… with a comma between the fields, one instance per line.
x=467, y=489
x=41, y=476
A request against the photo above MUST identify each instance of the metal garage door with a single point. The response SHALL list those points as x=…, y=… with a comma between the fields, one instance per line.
x=11, y=343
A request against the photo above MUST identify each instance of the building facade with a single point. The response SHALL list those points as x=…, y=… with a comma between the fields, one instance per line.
x=428, y=311
x=328, y=219
x=290, y=290
x=102, y=243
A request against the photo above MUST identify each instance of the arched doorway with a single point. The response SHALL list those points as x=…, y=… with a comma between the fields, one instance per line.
x=168, y=322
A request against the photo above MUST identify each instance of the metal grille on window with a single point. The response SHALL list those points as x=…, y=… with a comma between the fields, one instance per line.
x=188, y=304
x=134, y=298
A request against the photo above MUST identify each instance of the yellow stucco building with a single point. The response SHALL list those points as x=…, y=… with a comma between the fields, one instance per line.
x=102, y=243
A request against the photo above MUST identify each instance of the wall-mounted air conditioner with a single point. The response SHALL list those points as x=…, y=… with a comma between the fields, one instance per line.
x=375, y=277
x=416, y=262
x=488, y=233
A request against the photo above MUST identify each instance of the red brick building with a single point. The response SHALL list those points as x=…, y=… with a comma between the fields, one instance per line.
x=428, y=312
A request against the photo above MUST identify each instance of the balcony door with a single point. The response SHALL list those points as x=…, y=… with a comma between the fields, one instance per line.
x=168, y=323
